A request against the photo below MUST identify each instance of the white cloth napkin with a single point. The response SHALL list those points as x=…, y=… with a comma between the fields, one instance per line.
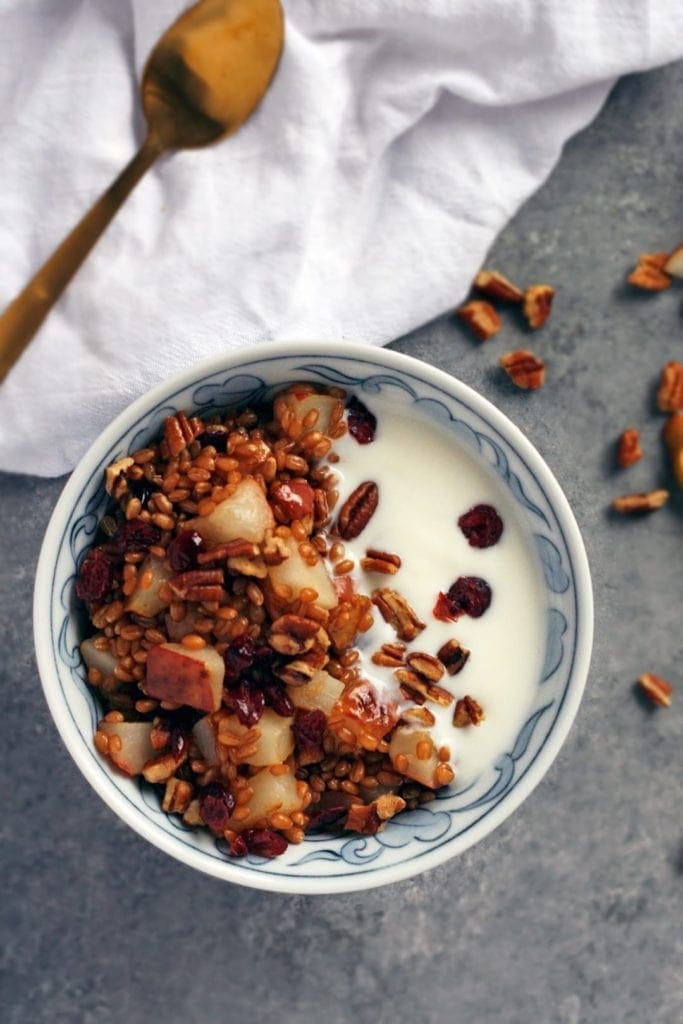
x=398, y=138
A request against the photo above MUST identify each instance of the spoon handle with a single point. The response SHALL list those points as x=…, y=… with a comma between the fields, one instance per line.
x=26, y=312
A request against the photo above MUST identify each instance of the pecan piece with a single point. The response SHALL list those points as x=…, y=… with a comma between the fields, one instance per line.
x=453, y=656
x=538, y=300
x=238, y=548
x=467, y=712
x=244, y=566
x=407, y=678
x=650, y=502
x=389, y=655
x=524, y=369
x=674, y=263
x=670, y=392
x=656, y=688
x=649, y=274
x=177, y=796
x=371, y=818
x=295, y=673
x=380, y=561
x=179, y=431
x=293, y=634
x=497, y=286
x=420, y=716
x=358, y=510
x=426, y=665
x=198, y=585
x=395, y=610
x=115, y=482
x=628, y=447
x=482, y=319
x=673, y=436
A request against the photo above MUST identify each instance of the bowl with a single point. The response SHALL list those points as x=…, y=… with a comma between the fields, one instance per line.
x=432, y=833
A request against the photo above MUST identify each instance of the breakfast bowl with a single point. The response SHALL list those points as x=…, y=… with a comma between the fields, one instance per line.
x=441, y=454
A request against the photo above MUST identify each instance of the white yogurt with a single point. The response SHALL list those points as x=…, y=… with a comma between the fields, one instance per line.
x=426, y=480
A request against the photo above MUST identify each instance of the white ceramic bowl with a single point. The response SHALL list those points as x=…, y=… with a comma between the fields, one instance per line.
x=418, y=839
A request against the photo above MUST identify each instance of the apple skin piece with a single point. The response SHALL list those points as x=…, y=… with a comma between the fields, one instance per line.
x=302, y=405
x=297, y=574
x=178, y=674
x=321, y=694
x=104, y=661
x=245, y=515
x=404, y=741
x=136, y=748
x=147, y=602
x=271, y=793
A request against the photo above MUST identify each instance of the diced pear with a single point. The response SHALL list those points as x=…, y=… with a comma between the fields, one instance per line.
x=204, y=735
x=245, y=514
x=404, y=740
x=321, y=694
x=302, y=404
x=275, y=741
x=176, y=673
x=147, y=602
x=103, y=661
x=136, y=748
x=297, y=574
x=271, y=793
x=177, y=630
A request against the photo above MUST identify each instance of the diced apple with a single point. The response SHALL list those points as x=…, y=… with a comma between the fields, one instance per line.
x=147, y=601
x=103, y=661
x=136, y=748
x=204, y=735
x=321, y=694
x=404, y=741
x=301, y=405
x=297, y=574
x=245, y=514
x=176, y=673
x=271, y=793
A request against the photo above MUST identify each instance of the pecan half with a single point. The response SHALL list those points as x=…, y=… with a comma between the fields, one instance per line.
x=179, y=431
x=426, y=665
x=115, y=482
x=524, y=369
x=482, y=319
x=198, y=585
x=380, y=561
x=656, y=688
x=358, y=510
x=673, y=436
x=628, y=447
x=538, y=301
x=670, y=392
x=649, y=274
x=496, y=286
x=428, y=691
x=395, y=610
x=238, y=548
x=649, y=502
x=453, y=656
x=467, y=712
x=390, y=655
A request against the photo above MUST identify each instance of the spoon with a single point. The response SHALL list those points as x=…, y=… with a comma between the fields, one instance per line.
x=202, y=81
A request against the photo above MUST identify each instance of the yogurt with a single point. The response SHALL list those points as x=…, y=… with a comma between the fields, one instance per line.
x=427, y=479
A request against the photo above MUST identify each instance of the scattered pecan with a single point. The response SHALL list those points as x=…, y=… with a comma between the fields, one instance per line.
x=245, y=566
x=656, y=688
x=274, y=550
x=198, y=585
x=482, y=319
x=628, y=447
x=429, y=691
x=426, y=665
x=395, y=610
x=467, y=712
x=390, y=655
x=371, y=818
x=380, y=561
x=525, y=369
x=177, y=796
x=115, y=482
x=420, y=716
x=453, y=656
x=238, y=548
x=673, y=436
x=650, y=502
x=649, y=274
x=496, y=286
x=670, y=393
x=538, y=300
x=357, y=510
x=408, y=693
x=295, y=673
x=179, y=431
x=293, y=634
x=674, y=263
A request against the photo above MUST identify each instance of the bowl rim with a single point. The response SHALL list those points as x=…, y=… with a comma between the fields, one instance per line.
x=387, y=359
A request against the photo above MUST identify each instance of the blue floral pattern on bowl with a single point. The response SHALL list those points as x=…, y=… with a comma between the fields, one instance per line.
x=415, y=839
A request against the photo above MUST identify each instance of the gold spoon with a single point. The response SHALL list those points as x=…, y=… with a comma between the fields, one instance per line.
x=202, y=81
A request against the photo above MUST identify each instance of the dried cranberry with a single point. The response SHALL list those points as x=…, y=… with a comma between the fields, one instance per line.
x=238, y=847
x=326, y=815
x=216, y=804
x=277, y=698
x=238, y=657
x=294, y=497
x=216, y=435
x=136, y=535
x=183, y=550
x=469, y=595
x=308, y=729
x=482, y=526
x=362, y=423
x=246, y=700
x=95, y=576
x=264, y=842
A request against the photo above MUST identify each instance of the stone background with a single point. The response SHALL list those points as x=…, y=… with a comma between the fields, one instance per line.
x=571, y=911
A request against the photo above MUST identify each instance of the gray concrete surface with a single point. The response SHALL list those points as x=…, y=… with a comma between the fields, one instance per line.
x=571, y=912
